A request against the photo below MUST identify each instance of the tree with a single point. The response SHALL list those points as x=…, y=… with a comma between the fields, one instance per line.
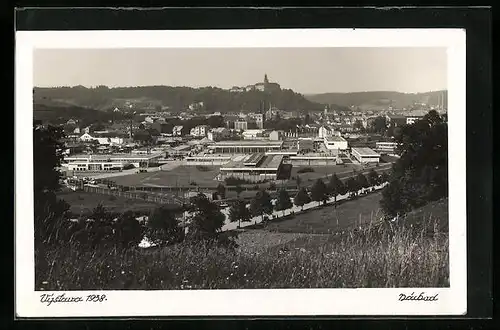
x=49, y=211
x=283, y=202
x=335, y=187
x=238, y=189
x=319, y=192
x=239, y=212
x=384, y=177
x=358, y=125
x=272, y=186
x=420, y=174
x=373, y=178
x=261, y=204
x=163, y=227
x=379, y=125
x=302, y=198
x=221, y=190
x=128, y=231
x=362, y=181
x=206, y=219
x=352, y=186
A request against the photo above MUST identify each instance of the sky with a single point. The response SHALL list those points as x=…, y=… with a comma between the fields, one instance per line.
x=305, y=70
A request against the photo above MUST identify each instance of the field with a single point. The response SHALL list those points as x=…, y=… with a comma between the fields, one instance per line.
x=179, y=176
x=330, y=219
x=83, y=202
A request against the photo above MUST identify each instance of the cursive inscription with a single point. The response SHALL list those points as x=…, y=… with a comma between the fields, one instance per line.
x=50, y=298
x=421, y=297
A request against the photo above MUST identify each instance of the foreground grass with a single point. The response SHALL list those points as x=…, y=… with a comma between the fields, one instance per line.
x=374, y=257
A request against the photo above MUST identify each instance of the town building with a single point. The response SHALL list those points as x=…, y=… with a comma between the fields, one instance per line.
x=386, y=147
x=275, y=135
x=177, y=130
x=208, y=160
x=325, y=131
x=245, y=147
x=99, y=163
x=241, y=125
x=200, y=130
x=102, y=140
x=259, y=120
x=253, y=134
x=365, y=155
x=335, y=143
x=255, y=167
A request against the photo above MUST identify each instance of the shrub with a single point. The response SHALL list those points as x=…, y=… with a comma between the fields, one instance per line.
x=305, y=170
x=202, y=168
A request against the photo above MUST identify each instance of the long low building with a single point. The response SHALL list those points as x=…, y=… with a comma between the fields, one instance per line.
x=245, y=147
x=255, y=167
x=111, y=162
x=306, y=160
x=207, y=160
x=365, y=155
x=386, y=147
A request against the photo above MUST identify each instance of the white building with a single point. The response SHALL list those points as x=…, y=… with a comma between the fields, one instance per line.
x=275, y=135
x=253, y=134
x=98, y=163
x=200, y=130
x=325, y=131
x=102, y=140
x=335, y=143
x=365, y=155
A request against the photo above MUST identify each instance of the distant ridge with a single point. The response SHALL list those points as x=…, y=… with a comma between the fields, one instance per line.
x=378, y=100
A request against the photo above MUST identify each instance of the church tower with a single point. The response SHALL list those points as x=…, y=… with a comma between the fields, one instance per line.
x=266, y=81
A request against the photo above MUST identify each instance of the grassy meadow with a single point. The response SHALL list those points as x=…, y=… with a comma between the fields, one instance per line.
x=410, y=253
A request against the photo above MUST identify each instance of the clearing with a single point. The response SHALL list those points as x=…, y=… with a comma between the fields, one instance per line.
x=179, y=176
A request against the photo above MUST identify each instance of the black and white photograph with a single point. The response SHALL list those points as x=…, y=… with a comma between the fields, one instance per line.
x=194, y=168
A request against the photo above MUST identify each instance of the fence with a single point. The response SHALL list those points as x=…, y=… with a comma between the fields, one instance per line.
x=160, y=199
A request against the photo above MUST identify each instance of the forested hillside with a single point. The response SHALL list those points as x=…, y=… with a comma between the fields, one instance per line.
x=176, y=98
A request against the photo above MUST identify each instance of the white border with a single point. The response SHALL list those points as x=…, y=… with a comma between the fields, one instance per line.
x=452, y=301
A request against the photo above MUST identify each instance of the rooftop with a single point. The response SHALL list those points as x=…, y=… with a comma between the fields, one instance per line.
x=365, y=151
x=108, y=156
x=335, y=139
x=247, y=143
x=269, y=162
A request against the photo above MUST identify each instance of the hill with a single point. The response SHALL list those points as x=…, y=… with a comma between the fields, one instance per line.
x=379, y=100
x=59, y=112
x=174, y=98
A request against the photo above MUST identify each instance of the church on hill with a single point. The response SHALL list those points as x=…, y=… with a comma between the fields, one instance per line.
x=264, y=86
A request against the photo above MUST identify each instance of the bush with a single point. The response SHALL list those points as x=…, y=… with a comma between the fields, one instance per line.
x=202, y=168
x=233, y=181
x=305, y=170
